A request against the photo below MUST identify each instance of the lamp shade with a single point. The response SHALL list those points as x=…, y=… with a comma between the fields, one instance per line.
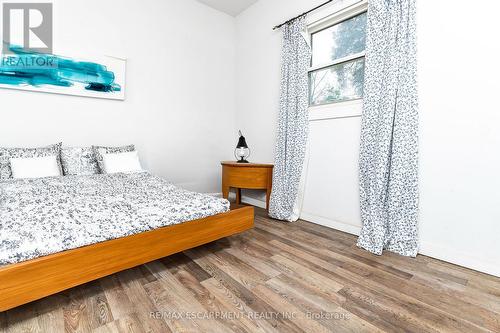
x=242, y=151
x=242, y=143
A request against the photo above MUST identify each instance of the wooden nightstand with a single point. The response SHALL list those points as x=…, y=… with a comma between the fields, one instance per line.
x=248, y=176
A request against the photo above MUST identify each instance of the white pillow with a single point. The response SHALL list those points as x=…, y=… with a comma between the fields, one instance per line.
x=35, y=167
x=122, y=162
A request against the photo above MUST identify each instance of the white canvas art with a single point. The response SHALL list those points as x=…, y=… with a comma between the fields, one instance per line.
x=89, y=76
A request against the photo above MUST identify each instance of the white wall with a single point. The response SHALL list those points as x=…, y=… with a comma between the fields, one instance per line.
x=459, y=145
x=179, y=108
x=331, y=195
x=460, y=136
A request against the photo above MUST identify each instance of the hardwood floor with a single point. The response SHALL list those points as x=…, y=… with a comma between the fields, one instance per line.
x=278, y=277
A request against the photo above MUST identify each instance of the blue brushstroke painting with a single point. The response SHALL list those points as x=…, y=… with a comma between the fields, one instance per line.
x=26, y=68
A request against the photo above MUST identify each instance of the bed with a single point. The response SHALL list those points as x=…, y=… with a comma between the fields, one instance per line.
x=59, y=232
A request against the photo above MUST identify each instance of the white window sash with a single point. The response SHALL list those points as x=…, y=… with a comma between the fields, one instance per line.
x=348, y=58
x=339, y=11
x=338, y=15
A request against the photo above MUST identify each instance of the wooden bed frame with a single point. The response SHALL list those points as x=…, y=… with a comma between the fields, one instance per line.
x=34, y=279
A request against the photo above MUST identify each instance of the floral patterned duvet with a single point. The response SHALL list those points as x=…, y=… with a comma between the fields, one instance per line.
x=48, y=215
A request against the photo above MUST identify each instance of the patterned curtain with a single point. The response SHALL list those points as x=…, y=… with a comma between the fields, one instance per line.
x=389, y=151
x=293, y=124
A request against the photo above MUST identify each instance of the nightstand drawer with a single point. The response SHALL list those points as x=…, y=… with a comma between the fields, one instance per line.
x=252, y=178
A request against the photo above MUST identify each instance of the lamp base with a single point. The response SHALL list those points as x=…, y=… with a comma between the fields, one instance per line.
x=242, y=161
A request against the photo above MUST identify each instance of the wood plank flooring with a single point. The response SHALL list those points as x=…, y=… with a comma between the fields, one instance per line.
x=278, y=277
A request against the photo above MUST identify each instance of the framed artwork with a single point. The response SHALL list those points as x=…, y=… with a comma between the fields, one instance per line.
x=99, y=77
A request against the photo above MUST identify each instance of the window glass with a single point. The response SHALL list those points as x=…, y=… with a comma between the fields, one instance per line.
x=337, y=83
x=339, y=41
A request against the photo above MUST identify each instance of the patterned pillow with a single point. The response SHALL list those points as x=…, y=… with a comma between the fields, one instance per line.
x=7, y=153
x=100, y=151
x=5, y=171
x=79, y=161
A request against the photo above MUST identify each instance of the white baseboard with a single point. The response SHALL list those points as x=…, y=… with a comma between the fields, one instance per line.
x=458, y=258
x=253, y=201
x=429, y=249
x=349, y=228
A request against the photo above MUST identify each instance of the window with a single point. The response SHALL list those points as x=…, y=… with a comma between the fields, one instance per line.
x=338, y=62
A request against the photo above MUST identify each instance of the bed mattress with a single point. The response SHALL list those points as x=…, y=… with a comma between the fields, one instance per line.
x=42, y=216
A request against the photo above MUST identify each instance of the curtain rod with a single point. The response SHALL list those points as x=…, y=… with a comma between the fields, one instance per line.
x=304, y=13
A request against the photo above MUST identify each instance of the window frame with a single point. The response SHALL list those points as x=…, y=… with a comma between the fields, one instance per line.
x=326, y=22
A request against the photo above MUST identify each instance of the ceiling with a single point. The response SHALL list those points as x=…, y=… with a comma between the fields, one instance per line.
x=231, y=7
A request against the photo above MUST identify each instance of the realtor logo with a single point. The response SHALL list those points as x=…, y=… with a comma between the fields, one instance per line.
x=27, y=25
